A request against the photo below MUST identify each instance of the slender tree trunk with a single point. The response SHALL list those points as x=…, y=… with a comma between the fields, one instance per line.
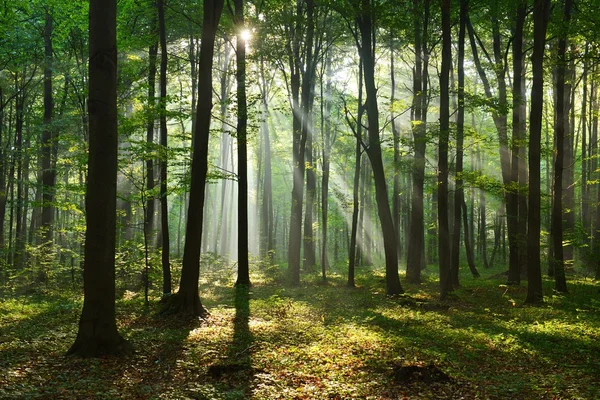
x=562, y=95
x=396, y=137
x=267, y=234
x=98, y=333
x=48, y=138
x=541, y=10
x=367, y=53
x=164, y=209
x=584, y=144
x=518, y=168
x=501, y=123
x=415, y=250
x=189, y=300
x=468, y=242
x=3, y=187
x=326, y=153
x=242, y=123
x=444, y=233
x=353, y=255
x=150, y=200
x=459, y=194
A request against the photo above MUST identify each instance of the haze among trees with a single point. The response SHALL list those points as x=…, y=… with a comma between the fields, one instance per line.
x=299, y=199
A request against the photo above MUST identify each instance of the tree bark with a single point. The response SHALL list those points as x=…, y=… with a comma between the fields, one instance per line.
x=518, y=167
x=541, y=10
x=416, y=247
x=188, y=299
x=443, y=228
x=98, y=333
x=164, y=209
x=242, y=127
x=561, y=128
x=367, y=53
x=150, y=201
x=459, y=194
x=326, y=154
x=48, y=141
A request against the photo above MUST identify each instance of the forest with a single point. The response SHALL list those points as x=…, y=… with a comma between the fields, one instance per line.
x=299, y=199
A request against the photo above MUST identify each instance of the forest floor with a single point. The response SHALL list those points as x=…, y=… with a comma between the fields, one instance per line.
x=316, y=341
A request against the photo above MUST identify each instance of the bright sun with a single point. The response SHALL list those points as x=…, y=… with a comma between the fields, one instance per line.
x=246, y=35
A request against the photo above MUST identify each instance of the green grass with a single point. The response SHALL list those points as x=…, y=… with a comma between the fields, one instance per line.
x=316, y=341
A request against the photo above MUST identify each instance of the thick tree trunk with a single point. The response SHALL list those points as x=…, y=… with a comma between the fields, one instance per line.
x=541, y=10
x=242, y=124
x=98, y=333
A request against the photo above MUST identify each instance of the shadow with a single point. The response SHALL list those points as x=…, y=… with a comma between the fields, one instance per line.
x=236, y=368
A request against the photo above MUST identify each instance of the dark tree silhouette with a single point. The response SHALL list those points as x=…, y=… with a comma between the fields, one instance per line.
x=98, y=333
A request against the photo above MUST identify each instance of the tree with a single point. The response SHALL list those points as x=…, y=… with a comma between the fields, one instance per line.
x=98, y=333
x=187, y=299
x=562, y=97
x=164, y=209
x=444, y=231
x=415, y=257
x=48, y=137
x=242, y=123
x=519, y=125
x=541, y=9
x=367, y=53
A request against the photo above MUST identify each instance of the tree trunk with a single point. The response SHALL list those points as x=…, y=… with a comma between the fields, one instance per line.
x=534, y=276
x=267, y=232
x=417, y=230
x=150, y=200
x=164, y=209
x=459, y=194
x=518, y=168
x=326, y=153
x=98, y=333
x=468, y=242
x=353, y=255
x=48, y=141
x=561, y=128
x=396, y=137
x=242, y=123
x=367, y=54
x=188, y=299
x=443, y=228
x=500, y=121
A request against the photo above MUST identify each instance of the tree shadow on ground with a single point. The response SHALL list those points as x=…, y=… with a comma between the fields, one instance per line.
x=236, y=368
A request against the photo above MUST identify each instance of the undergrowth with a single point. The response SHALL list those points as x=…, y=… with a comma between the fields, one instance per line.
x=316, y=341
